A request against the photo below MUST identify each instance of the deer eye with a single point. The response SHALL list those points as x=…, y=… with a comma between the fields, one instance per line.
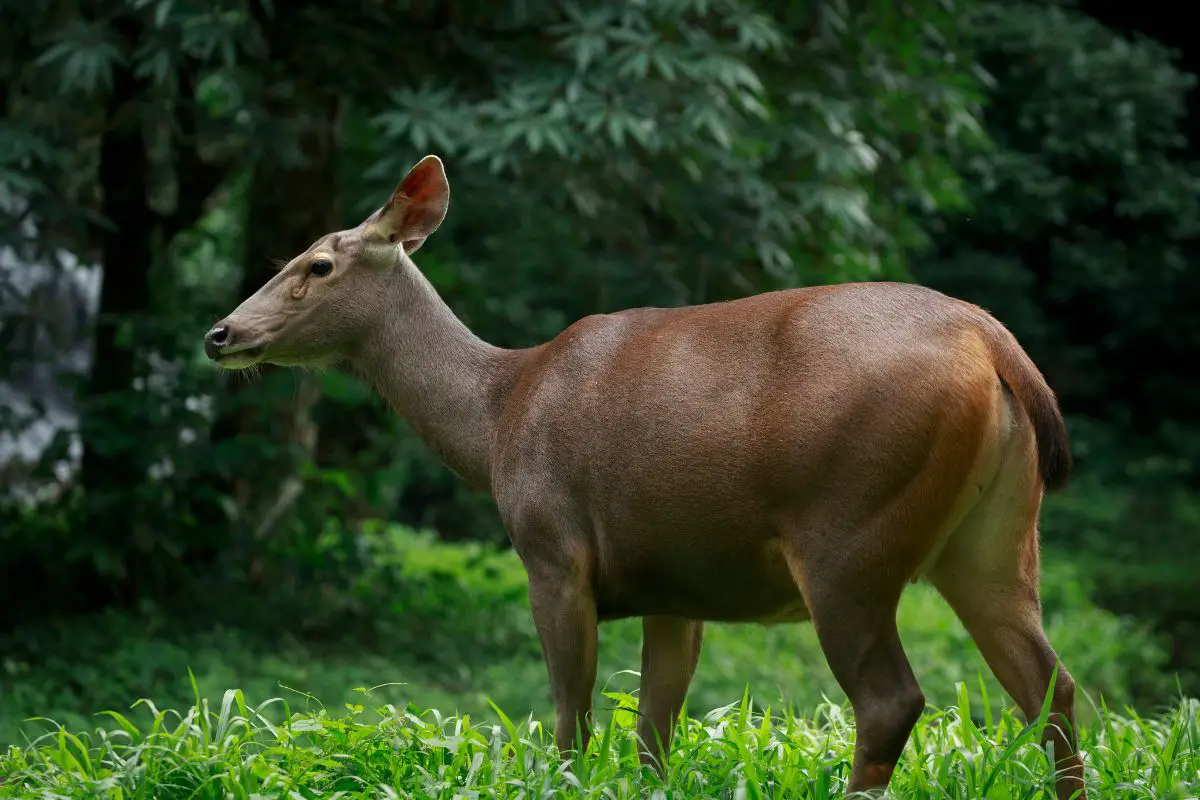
x=320, y=267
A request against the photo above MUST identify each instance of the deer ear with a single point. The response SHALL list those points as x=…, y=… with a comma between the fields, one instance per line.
x=417, y=207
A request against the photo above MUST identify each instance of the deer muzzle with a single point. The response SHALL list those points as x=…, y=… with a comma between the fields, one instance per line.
x=231, y=348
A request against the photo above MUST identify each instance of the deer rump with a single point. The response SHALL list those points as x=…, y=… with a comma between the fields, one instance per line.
x=678, y=457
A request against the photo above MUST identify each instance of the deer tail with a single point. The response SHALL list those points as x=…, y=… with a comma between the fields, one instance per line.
x=1017, y=370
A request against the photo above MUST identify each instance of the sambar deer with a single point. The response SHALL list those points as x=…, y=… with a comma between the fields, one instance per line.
x=796, y=455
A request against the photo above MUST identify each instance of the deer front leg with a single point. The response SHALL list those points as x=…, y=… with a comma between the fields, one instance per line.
x=670, y=652
x=564, y=611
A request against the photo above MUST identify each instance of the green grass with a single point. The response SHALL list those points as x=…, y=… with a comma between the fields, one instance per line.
x=240, y=752
x=448, y=626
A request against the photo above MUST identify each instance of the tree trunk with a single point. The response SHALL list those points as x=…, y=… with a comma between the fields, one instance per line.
x=113, y=462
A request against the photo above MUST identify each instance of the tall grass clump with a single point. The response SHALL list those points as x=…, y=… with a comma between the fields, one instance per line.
x=235, y=750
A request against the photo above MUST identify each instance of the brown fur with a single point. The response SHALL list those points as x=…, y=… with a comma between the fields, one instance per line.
x=794, y=455
x=1018, y=371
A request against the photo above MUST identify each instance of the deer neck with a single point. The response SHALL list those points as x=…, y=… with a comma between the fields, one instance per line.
x=443, y=380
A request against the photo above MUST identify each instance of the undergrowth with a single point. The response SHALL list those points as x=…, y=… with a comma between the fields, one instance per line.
x=239, y=752
x=449, y=626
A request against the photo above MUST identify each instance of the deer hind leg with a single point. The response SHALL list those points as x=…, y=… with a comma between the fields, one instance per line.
x=670, y=652
x=564, y=611
x=989, y=576
x=854, y=613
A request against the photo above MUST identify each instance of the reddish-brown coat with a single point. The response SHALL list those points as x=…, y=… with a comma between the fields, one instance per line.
x=794, y=455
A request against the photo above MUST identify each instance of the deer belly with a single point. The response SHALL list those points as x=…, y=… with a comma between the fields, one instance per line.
x=747, y=584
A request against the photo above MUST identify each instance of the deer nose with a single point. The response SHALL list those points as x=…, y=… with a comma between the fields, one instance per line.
x=216, y=339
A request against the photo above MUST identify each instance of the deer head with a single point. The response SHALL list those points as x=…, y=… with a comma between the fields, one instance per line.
x=324, y=303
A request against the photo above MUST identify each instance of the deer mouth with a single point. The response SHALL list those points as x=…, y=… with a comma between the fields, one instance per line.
x=240, y=358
